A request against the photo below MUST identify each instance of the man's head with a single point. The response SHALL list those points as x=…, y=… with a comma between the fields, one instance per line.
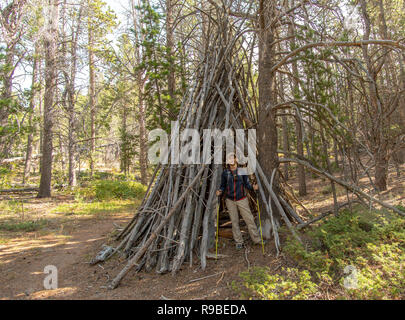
x=231, y=159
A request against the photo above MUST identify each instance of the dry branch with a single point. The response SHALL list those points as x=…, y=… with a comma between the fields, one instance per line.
x=352, y=188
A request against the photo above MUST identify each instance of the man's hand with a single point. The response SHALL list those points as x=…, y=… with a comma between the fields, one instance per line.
x=219, y=192
x=255, y=187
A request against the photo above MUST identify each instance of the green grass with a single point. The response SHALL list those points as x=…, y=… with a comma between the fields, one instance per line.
x=10, y=206
x=26, y=226
x=102, y=197
x=96, y=208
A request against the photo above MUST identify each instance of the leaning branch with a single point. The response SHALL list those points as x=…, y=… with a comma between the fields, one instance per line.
x=348, y=186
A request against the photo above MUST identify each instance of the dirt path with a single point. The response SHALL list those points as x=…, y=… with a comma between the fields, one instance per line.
x=22, y=263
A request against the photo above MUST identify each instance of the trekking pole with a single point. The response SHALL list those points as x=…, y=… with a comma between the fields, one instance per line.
x=217, y=237
x=260, y=221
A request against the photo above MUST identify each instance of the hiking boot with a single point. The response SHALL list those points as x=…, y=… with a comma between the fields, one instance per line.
x=239, y=246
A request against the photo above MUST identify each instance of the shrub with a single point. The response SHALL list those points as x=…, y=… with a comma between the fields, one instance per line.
x=84, y=176
x=259, y=283
x=7, y=174
x=374, y=246
x=108, y=189
x=381, y=275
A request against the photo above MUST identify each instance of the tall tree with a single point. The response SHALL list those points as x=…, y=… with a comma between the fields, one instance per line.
x=34, y=99
x=50, y=49
x=267, y=127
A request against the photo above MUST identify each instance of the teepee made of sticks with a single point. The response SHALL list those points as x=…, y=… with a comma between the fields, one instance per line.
x=177, y=218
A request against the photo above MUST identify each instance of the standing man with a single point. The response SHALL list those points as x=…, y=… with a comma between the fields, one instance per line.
x=234, y=185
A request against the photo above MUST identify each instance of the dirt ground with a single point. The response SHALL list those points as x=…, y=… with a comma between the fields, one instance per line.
x=23, y=260
x=24, y=257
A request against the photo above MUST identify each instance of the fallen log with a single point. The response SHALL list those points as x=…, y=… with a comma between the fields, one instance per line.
x=21, y=190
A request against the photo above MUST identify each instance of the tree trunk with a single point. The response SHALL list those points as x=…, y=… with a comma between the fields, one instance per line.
x=400, y=155
x=72, y=126
x=285, y=142
x=286, y=145
x=71, y=85
x=143, y=139
x=171, y=83
x=28, y=155
x=379, y=124
x=302, y=186
x=92, y=98
x=381, y=168
x=50, y=43
x=124, y=156
x=267, y=130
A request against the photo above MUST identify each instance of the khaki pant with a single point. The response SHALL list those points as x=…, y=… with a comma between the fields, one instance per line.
x=243, y=206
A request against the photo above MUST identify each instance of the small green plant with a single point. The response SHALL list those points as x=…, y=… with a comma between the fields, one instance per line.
x=291, y=284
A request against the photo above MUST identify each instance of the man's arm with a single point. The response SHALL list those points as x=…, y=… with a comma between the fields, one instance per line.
x=247, y=183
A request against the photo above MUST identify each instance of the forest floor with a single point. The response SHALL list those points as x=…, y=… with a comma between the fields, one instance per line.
x=23, y=257
x=69, y=243
x=67, y=234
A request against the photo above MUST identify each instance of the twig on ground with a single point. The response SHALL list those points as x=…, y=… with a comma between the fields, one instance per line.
x=203, y=278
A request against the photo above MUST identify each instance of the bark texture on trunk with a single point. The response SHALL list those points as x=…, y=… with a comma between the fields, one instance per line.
x=33, y=100
x=267, y=138
x=50, y=43
x=143, y=137
x=92, y=98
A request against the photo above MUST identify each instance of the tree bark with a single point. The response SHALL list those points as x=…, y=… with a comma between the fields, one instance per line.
x=50, y=43
x=92, y=96
x=302, y=186
x=71, y=105
x=267, y=130
x=378, y=122
x=33, y=99
x=143, y=139
x=171, y=83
